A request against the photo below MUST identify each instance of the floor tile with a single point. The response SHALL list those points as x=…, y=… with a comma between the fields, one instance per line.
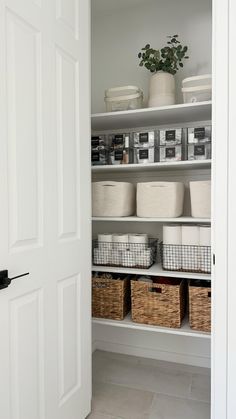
x=166, y=407
x=200, y=388
x=174, y=366
x=136, y=375
x=121, y=402
x=103, y=355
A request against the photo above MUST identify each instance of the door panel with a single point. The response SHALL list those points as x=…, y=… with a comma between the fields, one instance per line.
x=68, y=144
x=26, y=340
x=24, y=86
x=67, y=14
x=45, y=326
x=69, y=330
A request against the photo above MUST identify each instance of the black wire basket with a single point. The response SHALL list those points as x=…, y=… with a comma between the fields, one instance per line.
x=186, y=258
x=129, y=255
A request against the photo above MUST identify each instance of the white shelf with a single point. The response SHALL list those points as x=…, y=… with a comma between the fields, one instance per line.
x=127, y=323
x=182, y=220
x=176, y=114
x=155, y=270
x=175, y=165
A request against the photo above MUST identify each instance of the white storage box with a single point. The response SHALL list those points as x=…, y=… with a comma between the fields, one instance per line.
x=123, y=98
x=200, y=193
x=197, y=89
x=160, y=199
x=113, y=199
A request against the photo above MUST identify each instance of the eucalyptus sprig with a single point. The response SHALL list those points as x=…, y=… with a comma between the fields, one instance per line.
x=169, y=58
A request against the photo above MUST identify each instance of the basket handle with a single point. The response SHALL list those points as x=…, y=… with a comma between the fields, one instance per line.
x=157, y=290
x=209, y=294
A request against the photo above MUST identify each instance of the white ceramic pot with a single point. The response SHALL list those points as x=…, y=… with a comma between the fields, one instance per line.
x=161, y=89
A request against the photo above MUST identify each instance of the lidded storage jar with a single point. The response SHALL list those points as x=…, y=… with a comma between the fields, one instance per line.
x=160, y=199
x=197, y=88
x=113, y=199
x=123, y=98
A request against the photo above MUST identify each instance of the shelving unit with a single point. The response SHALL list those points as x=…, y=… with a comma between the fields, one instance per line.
x=134, y=219
x=175, y=165
x=176, y=114
x=127, y=323
x=155, y=270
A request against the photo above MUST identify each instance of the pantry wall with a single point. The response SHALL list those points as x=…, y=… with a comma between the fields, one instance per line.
x=119, y=30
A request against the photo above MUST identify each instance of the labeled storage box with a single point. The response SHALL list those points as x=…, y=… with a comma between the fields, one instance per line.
x=110, y=296
x=98, y=142
x=200, y=305
x=171, y=136
x=145, y=139
x=123, y=98
x=171, y=153
x=113, y=199
x=160, y=199
x=199, y=135
x=99, y=150
x=200, y=194
x=99, y=157
x=159, y=304
x=144, y=155
x=120, y=149
x=199, y=151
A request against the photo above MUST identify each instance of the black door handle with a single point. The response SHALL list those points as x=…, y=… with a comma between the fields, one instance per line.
x=5, y=281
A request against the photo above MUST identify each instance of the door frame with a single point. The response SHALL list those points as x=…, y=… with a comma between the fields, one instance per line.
x=224, y=210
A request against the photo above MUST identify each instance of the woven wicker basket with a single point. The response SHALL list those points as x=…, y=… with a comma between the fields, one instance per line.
x=200, y=306
x=161, y=303
x=110, y=297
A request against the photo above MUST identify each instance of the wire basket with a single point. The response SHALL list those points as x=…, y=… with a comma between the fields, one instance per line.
x=129, y=255
x=186, y=258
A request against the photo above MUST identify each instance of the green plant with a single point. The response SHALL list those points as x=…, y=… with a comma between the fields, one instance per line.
x=168, y=58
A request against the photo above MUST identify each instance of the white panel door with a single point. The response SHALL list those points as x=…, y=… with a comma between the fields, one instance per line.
x=45, y=343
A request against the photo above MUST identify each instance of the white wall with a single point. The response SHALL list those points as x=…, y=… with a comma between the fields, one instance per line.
x=121, y=28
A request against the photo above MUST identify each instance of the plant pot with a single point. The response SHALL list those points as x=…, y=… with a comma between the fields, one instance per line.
x=161, y=89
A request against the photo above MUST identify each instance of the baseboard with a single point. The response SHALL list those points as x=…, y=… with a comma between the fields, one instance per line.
x=170, y=356
x=94, y=346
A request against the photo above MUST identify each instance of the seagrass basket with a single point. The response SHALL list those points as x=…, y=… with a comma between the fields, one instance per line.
x=110, y=296
x=200, y=305
x=160, y=304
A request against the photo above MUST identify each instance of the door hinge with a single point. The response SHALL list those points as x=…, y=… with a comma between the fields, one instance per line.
x=214, y=259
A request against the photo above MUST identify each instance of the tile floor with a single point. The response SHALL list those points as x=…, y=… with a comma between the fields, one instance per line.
x=126, y=387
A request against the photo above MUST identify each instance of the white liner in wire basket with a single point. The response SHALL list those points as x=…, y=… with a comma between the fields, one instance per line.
x=125, y=254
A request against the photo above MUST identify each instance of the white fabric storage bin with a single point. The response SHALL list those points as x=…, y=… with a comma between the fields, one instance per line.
x=200, y=193
x=123, y=98
x=160, y=199
x=197, y=88
x=113, y=199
